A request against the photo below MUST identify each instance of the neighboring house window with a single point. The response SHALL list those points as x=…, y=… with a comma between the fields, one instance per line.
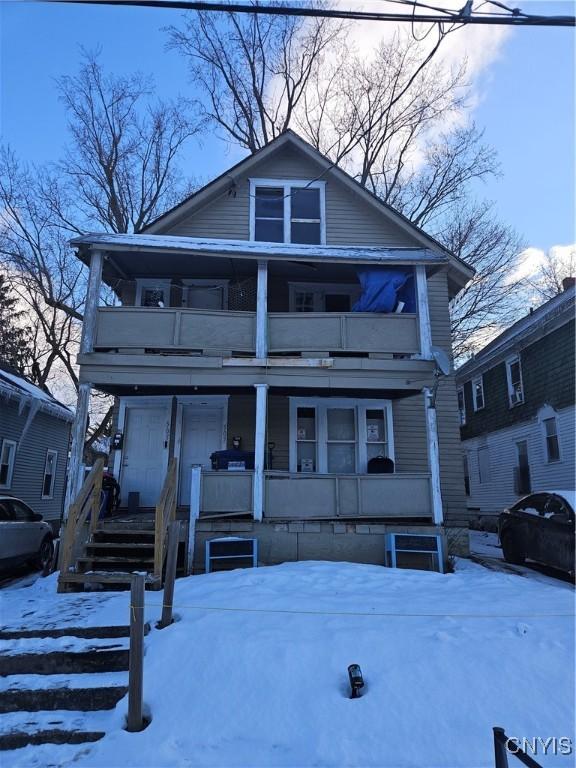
x=287, y=211
x=552, y=442
x=522, y=470
x=326, y=297
x=339, y=436
x=478, y=393
x=461, y=407
x=514, y=378
x=49, y=474
x=466, y=474
x=152, y=293
x=7, y=459
x=483, y=465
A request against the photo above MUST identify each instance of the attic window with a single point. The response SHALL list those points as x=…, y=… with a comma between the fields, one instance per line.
x=287, y=212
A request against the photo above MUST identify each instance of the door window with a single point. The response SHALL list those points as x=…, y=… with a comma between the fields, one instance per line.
x=341, y=440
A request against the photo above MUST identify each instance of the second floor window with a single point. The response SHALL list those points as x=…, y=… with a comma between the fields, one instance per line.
x=287, y=212
x=514, y=379
x=478, y=393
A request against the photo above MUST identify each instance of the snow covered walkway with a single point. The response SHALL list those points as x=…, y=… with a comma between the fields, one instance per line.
x=253, y=674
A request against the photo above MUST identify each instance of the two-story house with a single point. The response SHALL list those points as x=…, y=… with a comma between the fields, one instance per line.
x=289, y=318
x=517, y=412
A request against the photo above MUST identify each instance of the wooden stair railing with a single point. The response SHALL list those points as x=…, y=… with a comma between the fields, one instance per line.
x=165, y=514
x=87, y=502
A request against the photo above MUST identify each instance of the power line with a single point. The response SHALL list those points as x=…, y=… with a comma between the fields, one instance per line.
x=511, y=17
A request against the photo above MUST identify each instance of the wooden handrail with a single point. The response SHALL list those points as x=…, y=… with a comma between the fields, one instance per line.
x=165, y=514
x=86, y=502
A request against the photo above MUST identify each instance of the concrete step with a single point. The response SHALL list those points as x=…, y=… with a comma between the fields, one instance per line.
x=65, y=662
x=49, y=699
x=19, y=739
x=89, y=633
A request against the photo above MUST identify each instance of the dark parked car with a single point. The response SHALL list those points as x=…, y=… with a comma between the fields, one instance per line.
x=540, y=527
x=24, y=536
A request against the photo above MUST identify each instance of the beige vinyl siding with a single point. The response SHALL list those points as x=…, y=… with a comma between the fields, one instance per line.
x=349, y=220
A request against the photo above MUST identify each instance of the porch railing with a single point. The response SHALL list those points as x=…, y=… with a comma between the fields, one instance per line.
x=87, y=502
x=291, y=495
x=165, y=514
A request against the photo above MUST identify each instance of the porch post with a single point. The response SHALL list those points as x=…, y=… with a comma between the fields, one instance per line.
x=75, y=478
x=91, y=303
x=433, y=455
x=261, y=311
x=259, y=449
x=195, y=487
x=423, y=313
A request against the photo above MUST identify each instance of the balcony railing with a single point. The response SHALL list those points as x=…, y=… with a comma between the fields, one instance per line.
x=225, y=331
x=175, y=329
x=347, y=332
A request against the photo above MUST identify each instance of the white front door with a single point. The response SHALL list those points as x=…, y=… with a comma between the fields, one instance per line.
x=145, y=453
x=202, y=434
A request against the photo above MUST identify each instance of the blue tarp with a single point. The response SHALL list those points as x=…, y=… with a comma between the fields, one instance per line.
x=384, y=287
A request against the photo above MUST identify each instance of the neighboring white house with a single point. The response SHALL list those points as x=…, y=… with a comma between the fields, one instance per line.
x=517, y=412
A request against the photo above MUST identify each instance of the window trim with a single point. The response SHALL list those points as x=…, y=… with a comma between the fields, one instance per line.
x=462, y=410
x=488, y=478
x=474, y=400
x=150, y=282
x=11, y=461
x=321, y=404
x=543, y=419
x=287, y=185
x=319, y=290
x=49, y=452
x=509, y=363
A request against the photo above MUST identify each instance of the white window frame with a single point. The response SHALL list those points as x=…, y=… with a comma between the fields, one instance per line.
x=11, y=460
x=150, y=282
x=475, y=381
x=543, y=419
x=322, y=404
x=320, y=290
x=483, y=480
x=50, y=452
x=509, y=363
x=202, y=282
x=462, y=410
x=287, y=185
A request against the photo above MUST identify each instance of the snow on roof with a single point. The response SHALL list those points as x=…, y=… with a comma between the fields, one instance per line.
x=556, y=306
x=247, y=248
x=19, y=388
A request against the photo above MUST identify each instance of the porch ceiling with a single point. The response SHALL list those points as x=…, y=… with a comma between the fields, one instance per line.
x=149, y=391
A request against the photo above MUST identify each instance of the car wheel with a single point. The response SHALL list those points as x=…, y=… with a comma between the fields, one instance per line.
x=511, y=550
x=45, y=554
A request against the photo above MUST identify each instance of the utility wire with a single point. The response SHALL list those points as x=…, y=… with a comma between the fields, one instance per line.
x=515, y=17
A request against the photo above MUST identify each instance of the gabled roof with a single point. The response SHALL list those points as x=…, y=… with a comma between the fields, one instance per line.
x=16, y=387
x=462, y=272
x=555, y=312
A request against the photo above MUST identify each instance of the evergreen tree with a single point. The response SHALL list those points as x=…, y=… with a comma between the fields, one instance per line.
x=15, y=336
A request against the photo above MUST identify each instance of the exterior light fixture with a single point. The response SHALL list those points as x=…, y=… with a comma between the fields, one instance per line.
x=356, y=680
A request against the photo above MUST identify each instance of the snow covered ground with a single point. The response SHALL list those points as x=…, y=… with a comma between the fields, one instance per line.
x=254, y=672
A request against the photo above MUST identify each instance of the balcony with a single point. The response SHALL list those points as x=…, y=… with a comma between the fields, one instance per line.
x=218, y=331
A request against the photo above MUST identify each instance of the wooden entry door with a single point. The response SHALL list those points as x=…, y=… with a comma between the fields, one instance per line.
x=202, y=433
x=145, y=453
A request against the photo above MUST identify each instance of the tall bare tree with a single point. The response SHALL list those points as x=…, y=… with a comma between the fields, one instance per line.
x=558, y=264
x=119, y=171
x=253, y=69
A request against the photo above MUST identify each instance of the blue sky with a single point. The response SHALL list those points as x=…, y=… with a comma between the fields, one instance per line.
x=526, y=103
